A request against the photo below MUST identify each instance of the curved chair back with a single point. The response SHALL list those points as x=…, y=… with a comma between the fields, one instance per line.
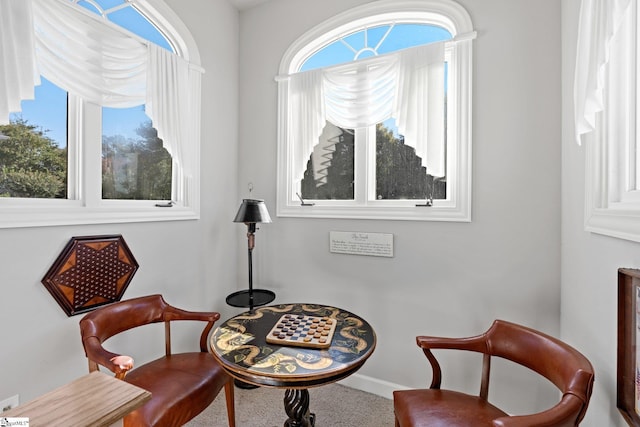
x=555, y=360
x=129, y=314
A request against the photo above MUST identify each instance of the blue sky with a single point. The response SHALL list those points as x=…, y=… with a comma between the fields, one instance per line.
x=400, y=37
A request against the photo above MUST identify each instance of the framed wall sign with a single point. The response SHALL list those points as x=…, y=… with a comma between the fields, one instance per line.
x=628, y=377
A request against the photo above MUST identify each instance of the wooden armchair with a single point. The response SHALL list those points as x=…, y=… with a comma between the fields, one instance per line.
x=181, y=385
x=564, y=366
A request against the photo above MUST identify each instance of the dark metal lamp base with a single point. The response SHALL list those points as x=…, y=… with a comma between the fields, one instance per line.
x=243, y=298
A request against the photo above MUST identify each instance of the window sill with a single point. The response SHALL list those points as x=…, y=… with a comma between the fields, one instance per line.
x=414, y=213
x=20, y=217
x=619, y=223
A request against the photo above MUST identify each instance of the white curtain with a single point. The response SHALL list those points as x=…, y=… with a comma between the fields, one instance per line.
x=167, y=97
x=306, y=116
x=89, y=57
x=419, y=109
x=82, y=54
x=407, y=85
x=360, y=94
x=18, y=74
x=599, y=21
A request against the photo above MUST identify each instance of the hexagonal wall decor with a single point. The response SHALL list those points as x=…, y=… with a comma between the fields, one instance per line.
x=89, y=272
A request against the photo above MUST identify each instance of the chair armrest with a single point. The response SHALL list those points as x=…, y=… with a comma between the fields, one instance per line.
x=477, y=343
x=173, y=313
x=562, y=415
x=116, y=363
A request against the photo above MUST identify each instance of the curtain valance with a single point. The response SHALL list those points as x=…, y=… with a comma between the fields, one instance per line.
x=599, y=21
x=87, y=57
x=407, y=85
x=96, y=60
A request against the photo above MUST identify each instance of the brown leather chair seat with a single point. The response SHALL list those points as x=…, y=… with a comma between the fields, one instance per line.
x=449, y=409
x=182, y=386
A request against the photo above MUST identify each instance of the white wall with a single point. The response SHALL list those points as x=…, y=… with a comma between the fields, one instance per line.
x=190, y=262
x=446, y=278
x=590, y=262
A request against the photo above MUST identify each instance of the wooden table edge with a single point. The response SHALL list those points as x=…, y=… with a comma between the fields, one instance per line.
x=93, y=400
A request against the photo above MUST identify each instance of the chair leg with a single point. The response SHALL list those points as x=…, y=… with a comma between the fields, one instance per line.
x=231, y=407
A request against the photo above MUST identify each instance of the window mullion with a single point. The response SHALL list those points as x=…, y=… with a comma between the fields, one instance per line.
x=91, y=153
x=370, y=144
x=74, y=163
x=360, y=166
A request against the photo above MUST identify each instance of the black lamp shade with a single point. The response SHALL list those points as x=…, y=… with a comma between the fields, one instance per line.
x=252, y=211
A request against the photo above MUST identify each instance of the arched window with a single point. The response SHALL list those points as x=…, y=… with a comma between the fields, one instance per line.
x=149, y=169
x=374, y=115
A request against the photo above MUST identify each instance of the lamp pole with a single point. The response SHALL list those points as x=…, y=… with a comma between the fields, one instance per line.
x=251, y=241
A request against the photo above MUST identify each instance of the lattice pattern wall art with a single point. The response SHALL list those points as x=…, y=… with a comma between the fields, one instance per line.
x=89, y=272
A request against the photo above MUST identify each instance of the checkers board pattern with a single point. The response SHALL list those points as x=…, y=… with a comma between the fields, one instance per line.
x=303, y=331
x=89, y=272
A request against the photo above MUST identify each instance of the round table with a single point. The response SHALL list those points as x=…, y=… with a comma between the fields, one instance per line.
x=240, y=346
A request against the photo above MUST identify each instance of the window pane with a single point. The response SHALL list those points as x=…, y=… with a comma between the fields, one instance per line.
x=399, y=172
x=133, y=21
x=89, y=6
x=329, y=173
x=33, y=153
x=375, y=41
x=105, y=4
x=127, y=17
x=135, y=166
x=410, y=35
x=134, y=163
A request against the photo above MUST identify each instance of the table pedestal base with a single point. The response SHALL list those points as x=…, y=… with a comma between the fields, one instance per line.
x=296, y=405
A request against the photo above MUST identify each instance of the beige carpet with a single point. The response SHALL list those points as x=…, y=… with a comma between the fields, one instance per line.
x=334, y=405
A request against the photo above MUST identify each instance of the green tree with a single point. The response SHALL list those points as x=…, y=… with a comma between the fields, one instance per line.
x=31, y=164
x=136, y=168
x=399, y=172
x=154, y=176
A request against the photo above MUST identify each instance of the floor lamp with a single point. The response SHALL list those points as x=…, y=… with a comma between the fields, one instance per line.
x=251, y=212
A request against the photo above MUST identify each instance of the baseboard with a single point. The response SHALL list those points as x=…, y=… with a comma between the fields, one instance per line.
x=372, y=385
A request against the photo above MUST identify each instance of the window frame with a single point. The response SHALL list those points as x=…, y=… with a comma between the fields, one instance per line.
x=444, y=13
x=612, y=190
x=84, y=203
